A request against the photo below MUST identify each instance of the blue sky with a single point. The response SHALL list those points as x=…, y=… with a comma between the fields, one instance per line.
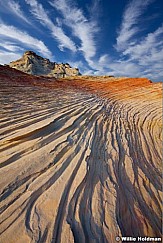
x=100, y=37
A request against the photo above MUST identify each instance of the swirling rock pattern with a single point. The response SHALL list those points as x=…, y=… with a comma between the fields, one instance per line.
x=80, y=160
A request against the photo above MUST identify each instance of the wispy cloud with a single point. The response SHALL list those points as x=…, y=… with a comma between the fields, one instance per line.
x=82, y=28
x=139, y=56
x=126, y=68
x=11, y=33
x=129, y=27
x=147, y=54
x=148, y=47
x=57, y=32
x=11, y=46
x=143, y=59
x=14, y=7
x=7, y=56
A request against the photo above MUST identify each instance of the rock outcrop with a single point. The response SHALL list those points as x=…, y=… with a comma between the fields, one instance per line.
x=31, y=63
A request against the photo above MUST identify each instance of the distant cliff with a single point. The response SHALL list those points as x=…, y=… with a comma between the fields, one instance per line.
x=31, y=63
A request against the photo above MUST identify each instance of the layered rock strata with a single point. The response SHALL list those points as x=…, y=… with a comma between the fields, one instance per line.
x=80, y=159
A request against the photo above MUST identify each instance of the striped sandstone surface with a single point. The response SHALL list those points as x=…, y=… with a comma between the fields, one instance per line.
x=80, y=158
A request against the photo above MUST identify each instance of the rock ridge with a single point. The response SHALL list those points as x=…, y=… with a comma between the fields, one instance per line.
x=32, y=63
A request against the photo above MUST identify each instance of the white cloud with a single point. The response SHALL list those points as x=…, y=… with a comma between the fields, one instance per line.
x=14, y=8
x=10, y=46
x=143, y=56
x=125, y=68
x=148, y=54
x=81, y=27
x=6, y=56
x=150, y=46
x=11, y=33
x=130, y=20
x=57, y=32
x=95, y=9
x=99, y=66
x=104, y=59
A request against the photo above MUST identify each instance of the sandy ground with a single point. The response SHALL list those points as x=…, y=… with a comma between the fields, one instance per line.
x=79, y=166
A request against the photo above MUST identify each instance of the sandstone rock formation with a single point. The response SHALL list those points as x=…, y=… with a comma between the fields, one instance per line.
x=31, y=63
x=80, y=159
